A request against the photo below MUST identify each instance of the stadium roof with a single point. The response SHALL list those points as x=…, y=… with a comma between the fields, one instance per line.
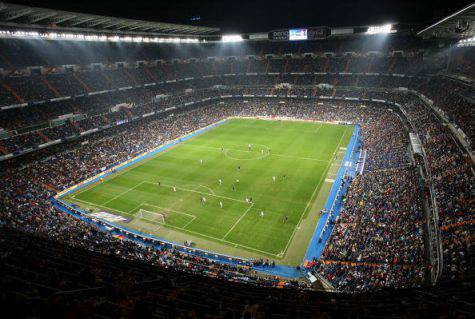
x=458, y=25
x=18, y=15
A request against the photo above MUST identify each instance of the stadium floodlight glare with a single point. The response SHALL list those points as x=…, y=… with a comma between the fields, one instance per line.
x=232, y=38
x=91, y=37
x=468, y=42
x=379, y=29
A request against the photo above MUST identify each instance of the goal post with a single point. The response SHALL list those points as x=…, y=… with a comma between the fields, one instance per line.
x=151, y=216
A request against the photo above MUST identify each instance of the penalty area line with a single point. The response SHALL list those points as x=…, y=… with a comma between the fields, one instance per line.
x=237, y=222
x=234, y=244
x=195, y=191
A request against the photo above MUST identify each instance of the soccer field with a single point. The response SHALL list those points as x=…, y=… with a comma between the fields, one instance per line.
x=286, y=168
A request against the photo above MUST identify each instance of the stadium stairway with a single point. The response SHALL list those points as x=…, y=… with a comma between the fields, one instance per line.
x=327, y=65
x=108, y=80
x=50, y=86
x=314, y=86
x=348, y=63
x=267, y=65
x=150, y=74
x=286, y=65
x=83, y=84
x=393, y=63
x=130, y=77
x=370, y=65
x=12, y=92
x=248, y=65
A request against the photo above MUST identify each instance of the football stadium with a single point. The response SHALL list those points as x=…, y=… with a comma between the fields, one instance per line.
x=184, y=161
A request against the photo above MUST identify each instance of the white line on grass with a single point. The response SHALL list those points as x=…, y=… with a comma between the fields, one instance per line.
x=313, y=194
x=130, y=211
x=186, y=230
x=319, y=127
x=101, y=206
x=269, y=154
x=186, y=225
x=123, y=193
x=237, y=222
x=301, y=158
x=193, y=217
x=195, y=191
x=165, y=209
x=208, y=188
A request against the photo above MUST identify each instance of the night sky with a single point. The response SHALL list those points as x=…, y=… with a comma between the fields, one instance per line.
x=263, y=15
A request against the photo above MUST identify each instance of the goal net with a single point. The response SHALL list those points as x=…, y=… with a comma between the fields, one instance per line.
x=151, y=216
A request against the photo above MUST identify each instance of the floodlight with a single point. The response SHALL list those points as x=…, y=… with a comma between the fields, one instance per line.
x=378, y=29
x=92, y=37
x=232, y=38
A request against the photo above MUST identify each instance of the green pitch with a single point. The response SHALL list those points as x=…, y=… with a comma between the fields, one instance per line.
x=284, y=166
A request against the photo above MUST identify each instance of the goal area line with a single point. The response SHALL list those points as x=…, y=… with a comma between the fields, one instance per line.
x=184, y=230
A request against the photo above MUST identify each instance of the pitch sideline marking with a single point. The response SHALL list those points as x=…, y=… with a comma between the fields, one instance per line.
x=313, y=194
x=239, y=219
x=101, y=206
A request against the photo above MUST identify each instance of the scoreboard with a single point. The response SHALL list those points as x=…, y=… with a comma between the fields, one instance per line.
x=297, y=34
x=317, y=33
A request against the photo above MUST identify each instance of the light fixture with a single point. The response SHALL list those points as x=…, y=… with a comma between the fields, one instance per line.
x=91, y=37
x=232, y=38
x=378, y=29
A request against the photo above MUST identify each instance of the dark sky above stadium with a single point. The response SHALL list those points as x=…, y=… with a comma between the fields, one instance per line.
x=264, y=15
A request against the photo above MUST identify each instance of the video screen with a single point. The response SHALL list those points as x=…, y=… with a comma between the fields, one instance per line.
x=298, y=34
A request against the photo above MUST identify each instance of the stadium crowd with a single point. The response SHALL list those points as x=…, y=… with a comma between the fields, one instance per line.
x=377, y=240
x=74, y=282
x=36, y=124
x=379, y=231
x=28, y=188
x=453, y=179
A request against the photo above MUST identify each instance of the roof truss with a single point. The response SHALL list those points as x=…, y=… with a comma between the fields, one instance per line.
x=12, y=13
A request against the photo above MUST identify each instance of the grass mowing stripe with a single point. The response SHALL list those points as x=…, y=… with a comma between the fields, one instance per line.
x=194, y=168
x=123, y=193
x=312, y=199
x=267, y=154
x=181, y=228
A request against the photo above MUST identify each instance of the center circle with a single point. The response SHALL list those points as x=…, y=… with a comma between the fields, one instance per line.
x=255, y=153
